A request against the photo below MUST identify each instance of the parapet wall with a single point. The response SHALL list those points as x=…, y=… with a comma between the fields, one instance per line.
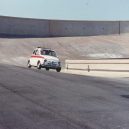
x=83, y=28
x=23, y=27
x=13, y=27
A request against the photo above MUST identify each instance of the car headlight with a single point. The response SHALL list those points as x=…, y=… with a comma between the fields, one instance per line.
x=45, y=60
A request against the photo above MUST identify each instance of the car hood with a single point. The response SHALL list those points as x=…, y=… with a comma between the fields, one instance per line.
x=51, y=58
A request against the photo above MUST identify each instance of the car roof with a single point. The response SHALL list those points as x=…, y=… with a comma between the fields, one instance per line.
x=43, y=48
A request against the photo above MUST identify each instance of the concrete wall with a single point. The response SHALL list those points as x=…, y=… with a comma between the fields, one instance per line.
x=124, y=27
x=10, y=26
x=83, y=28
x=23, y=27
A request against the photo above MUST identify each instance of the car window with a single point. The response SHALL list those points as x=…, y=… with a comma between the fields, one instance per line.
x=34, y=52
x=53, y=53
x=37, y=52
x=48, y=52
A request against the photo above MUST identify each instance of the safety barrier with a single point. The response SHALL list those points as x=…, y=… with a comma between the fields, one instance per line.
x=113, y=65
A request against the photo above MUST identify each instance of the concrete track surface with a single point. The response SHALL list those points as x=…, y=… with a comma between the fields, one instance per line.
x=34, y=99
x=17, y=51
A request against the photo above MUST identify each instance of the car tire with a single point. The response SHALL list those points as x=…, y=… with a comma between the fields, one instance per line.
x=58, y=69
x=28, y=64
x=47, y=69
x=39, y=65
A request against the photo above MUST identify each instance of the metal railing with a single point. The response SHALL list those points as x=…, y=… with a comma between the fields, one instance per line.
x=114, y=65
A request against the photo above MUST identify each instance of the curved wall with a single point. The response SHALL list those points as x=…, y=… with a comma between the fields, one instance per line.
x=12, y=27
x=23, y=27
x=83, y=28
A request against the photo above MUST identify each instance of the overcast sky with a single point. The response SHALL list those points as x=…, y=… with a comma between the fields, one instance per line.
x=67, y=9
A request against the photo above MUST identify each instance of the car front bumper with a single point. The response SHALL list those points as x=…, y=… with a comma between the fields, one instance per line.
x=51, y=65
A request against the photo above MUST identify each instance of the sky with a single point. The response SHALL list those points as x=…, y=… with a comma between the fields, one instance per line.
x=67, y=9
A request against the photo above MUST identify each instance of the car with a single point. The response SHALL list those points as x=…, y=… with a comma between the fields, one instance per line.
x=44, y=58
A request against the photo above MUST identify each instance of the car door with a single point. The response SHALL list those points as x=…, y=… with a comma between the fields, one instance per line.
x=33, y=58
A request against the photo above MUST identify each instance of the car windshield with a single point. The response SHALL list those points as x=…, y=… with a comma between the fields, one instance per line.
x=48, y=52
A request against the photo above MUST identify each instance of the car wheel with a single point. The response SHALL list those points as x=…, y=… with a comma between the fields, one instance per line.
x=47, y=69
x=38, y=65
x=28, y=64
x=58, y=69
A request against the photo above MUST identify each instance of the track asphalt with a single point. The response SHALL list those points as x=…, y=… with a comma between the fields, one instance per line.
x=34, y=99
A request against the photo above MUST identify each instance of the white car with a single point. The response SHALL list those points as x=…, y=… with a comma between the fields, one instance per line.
x=44, y=58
